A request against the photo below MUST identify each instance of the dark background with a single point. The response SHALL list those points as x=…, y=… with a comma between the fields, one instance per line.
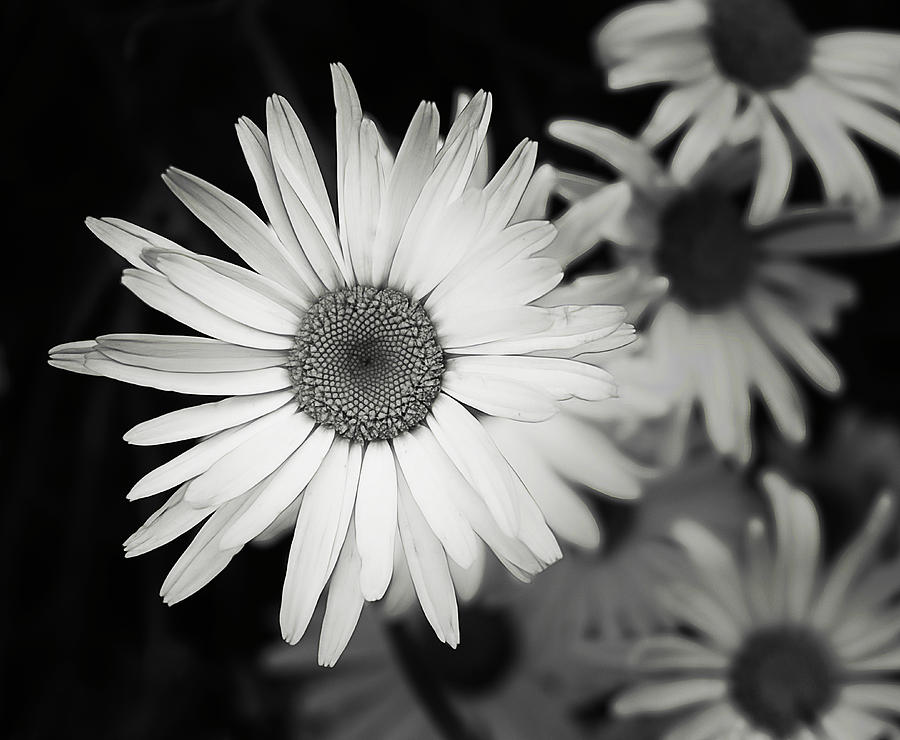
x=98, y=98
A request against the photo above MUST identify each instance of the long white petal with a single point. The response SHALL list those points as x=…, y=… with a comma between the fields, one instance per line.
x=208, y=418
x=376, y=519
x=432, y=481
x=428, y=568
x=319, y=535
x=185, y=354
x=157, y=292
x=343, y=605
x=249, y=463
x=199, y=458
x=282, y=488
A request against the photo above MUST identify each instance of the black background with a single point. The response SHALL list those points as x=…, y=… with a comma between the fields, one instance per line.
x=98, y=98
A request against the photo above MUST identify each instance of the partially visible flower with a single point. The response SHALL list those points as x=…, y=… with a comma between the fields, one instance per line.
x=740, y=299
x=777, y=646
x=396, y=681
x=609, y=594
x=747, y=70
x=350, y=353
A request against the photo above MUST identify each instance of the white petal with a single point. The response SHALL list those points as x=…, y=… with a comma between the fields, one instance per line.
x=199, y=458
x=319, y=535
x=505, y=190
x=157, y=292
x=561, y=378
x=246, y=465
x=240, y=383
x=776, y=169
x=499, y=397
x=705, y=134
x=428, y=569
x=433, y=482
x=535, y=199
x=259, y=158
x=676, y=108
x=282, y=488
x=818, y=232
x=298, y=177
x=185, y=354
x=794, y=340
x=830, y=602
x=208, y=418
x=666, y=696
x=344, y=603
x=232, y=222
x=171, y=520
x=629, y=157
x=476, y=456
x=128, y=240
x=227, y=296
x=838, y=160
x=376, y=518
x=412, y=168
x=203, y=559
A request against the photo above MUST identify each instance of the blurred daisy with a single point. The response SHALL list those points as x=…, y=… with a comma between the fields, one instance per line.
x=348, y=353
x=609, y=594
x=777, y=647
x=748, y=70
x=396, y=681
x=739, y=298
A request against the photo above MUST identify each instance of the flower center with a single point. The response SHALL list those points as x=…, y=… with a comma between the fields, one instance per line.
x=759, y=43
x=705, y=251
x=783, y=678
x=366, y=362
x=484, y=657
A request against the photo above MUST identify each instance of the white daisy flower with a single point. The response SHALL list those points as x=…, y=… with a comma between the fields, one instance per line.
x=740, y=299
x=747, y=70
x=777, y=647
x=609, y=594
x=353, y=353
x=396, y=681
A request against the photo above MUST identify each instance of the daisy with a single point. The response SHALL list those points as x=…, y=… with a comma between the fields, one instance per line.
x=740, y=300
x=353, y=354
x=608, y=594
x=747, y=70
x=396, y=681
x=777, y=646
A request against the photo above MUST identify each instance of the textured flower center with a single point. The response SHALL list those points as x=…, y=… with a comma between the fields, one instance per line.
x=782, y=679
x=366, y=362
x=705, y=251
x=484, y=657
x=759, y=43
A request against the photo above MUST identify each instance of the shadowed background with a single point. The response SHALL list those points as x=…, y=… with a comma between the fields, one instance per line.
x=98, y=98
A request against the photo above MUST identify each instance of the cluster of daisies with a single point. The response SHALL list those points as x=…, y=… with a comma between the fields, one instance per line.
x=425, y=366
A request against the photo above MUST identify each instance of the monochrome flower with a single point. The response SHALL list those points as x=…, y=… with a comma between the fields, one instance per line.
x=740, y=300
x=747, y=70
x=609, y=594
x=353, y=353
x=395, y=680
x=777, y=646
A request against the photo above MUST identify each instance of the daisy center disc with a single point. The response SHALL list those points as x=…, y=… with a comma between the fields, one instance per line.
x=705, y=251
x=366, y=362
x=782, y=679
x=759, y=43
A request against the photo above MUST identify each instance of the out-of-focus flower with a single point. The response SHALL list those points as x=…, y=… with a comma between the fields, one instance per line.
x=739, y=298
x=747, y=70
x=777, y=647
x=396, y=681
x=349, y=351
x=609, y=595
